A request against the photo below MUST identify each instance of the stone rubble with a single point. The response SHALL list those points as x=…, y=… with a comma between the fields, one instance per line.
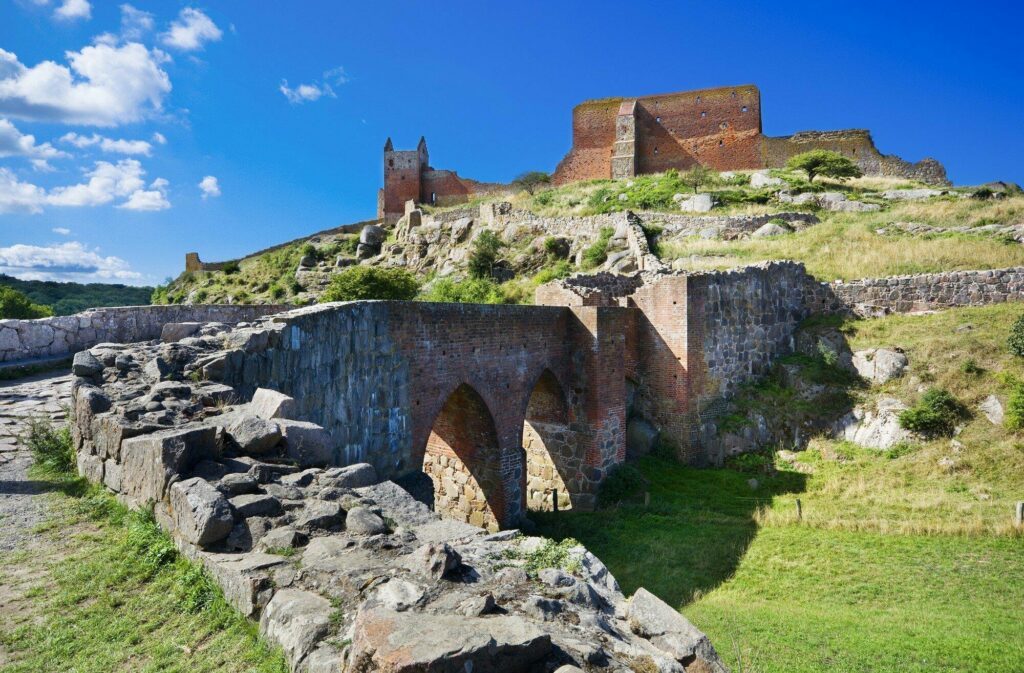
x=344, y=571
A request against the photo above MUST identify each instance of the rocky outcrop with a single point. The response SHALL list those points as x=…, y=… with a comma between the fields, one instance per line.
x=880, y=365
x=344, y=571
x=875, y=427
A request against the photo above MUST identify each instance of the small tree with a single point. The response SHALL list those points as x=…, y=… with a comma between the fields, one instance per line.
x=824, y=162
x=14, y=304
x=371, y=282
x=531, y=180
x=484, y=255
x=696, y=176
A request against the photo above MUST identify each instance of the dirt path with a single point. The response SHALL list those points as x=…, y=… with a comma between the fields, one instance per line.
x=21, y=507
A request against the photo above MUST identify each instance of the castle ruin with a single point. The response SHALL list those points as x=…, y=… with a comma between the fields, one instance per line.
x=615, y=138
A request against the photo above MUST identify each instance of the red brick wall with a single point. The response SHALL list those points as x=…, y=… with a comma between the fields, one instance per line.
x=678, y=130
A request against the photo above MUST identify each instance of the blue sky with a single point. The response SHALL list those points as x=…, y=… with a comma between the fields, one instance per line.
x=159, y=128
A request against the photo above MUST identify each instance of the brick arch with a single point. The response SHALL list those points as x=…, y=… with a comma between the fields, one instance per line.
x=463, y=458
x=552, y=455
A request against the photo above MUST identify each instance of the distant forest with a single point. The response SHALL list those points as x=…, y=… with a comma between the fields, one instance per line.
x=68, y=298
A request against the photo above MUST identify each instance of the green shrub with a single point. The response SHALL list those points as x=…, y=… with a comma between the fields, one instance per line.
x=14, y=304
x=50, y=446
x=558, y=270
x=308, y=249
x=230, y=268
x=1016, y=339
x=469, y=291
x=531, y=181
x=371, y=282
x=936, y=414
x=484, y=255
x=277, y=292
x=1013, y=418
x=596, y=254
x=971, y=368
x=754, y=461
x=624, y=482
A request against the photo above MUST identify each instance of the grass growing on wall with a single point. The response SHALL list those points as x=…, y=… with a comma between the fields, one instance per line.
x=111, y=593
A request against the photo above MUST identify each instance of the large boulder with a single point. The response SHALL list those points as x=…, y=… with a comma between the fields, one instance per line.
x=652, y=618
x=405, y=642
x=152, y=462
x=86, y=364
x=993, y=409
x=877, y=428
x=433, y=560
x=768, y=230
x=255, y=435
x=270, y=404
x=350, y=476
x=173, y=332
x=759, y=179
x=361, y=521
x=201, y=513
x=698, y=203
x=307, y=444
x=298, y=620
x=879, y=365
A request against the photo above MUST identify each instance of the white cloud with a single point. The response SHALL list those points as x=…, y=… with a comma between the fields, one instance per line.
x=135, y=23
x=63, y=261
x=209, y=187
x=105, y=85
x=105, y=183
x=155, y=198
x=159, y=138
x=14, y=143
x=108, y=144
x=307, y=93
x=70, y=10
x=63, y=231
x=42, y=166
x=19, y=197
x=190, y=31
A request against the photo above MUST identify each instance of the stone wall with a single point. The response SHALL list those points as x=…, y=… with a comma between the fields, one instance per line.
x=902, y=294
x=856, y=144
x=65, y=335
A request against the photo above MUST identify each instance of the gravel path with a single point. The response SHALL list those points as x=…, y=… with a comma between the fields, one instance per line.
x=40, y=396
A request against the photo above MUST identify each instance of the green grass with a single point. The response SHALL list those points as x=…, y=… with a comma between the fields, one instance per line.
x=789, y=596
x=898, y=563
x=111, y=593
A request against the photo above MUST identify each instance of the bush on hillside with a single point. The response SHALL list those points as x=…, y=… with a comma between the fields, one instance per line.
x=230, y=268
x=597, y=253
x=14, y=304
x=370, y=282
x=824, y=162
x=936, y=414
x=1013, y=418
x=1016, y=339
x=484, y=255
x=697, y=177
x=469, y=291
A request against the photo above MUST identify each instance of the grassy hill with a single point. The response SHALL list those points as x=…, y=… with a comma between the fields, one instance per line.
x=68, y=298
x=960, y=230
x=902, y=560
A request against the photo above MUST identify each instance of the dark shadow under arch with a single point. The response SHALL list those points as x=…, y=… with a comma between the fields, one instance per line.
x=553, y=474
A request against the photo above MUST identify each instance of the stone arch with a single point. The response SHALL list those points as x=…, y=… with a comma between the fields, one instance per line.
x=553, y=472
x=462, y=457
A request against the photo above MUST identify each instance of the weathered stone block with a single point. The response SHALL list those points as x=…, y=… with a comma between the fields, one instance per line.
x=201, y=513
x=297, y=620
x=269, y=404
x=152, y=462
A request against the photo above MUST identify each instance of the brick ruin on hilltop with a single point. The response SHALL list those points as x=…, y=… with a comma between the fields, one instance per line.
x=622, y=137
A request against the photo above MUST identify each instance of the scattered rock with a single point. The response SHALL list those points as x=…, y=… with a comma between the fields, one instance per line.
x=176, y=331
x=993, y=409
x=237, y=484
x=285, y=537
x=697, y=203
x=477, y=606
x=351, y=476
x=880, y=365
x=307, y=444
x=255, y=435
x=768, y=230
x=268, y=404
x=201, y=513
x=297, y=620
x=404, y=642
x=761, y=179
x=321, y=515
x=86, y=365
x=361, y=521
x=669, y=631
x=256, y=504
x=434, y=560
x=399, y=595
x=875, y=429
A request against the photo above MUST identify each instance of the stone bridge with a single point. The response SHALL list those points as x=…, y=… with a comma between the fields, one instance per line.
x=514, y=408
x=503, y=407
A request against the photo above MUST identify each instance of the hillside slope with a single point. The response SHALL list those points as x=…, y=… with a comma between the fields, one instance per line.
x=68, y=298
x=865, y=227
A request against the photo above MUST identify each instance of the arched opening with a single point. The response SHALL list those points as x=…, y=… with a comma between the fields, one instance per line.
x=463, y=460
x=553, y=466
